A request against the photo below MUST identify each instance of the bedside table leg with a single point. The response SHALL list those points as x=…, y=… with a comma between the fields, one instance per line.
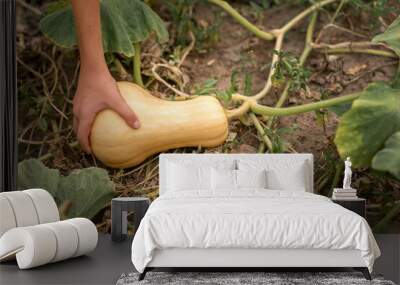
x=116, y=221
x=142, y=275
x=364, y=271
x=139, y=212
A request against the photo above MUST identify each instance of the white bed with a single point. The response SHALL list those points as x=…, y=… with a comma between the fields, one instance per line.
x=280, y=225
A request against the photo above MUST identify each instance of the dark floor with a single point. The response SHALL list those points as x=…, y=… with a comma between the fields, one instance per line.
x=110, y=260
x=103, y=266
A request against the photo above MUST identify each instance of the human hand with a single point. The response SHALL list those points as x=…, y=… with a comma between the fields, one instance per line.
x=97, y=91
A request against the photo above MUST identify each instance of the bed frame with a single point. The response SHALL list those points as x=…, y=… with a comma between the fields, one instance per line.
x=246, y=259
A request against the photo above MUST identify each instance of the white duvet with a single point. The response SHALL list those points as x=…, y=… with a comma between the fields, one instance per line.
x=250, y=219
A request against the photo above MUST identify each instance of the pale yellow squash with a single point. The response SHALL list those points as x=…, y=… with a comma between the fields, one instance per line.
x=164, y=125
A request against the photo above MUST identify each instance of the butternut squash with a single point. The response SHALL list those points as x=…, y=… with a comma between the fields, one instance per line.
x=164, y=125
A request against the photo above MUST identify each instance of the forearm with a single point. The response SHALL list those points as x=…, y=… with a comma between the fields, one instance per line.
x=88, y=30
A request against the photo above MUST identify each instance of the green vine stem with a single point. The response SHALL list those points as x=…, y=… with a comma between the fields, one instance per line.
x=279, y=34
x=137, y=65
x=261, y=131
x=337, y=11
x=251, y=102
x=275, y=58
x=245, y=106
x=358, y=50
x=304, y=14
x=273, y=111
x=304, y=55
x=243, y=21
x=354, y=47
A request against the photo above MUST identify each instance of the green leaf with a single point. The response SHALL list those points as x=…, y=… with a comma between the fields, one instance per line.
x=391, y=36
x=373, y=118
x=123, y=22
x=388, y=159
x=206, y=88
x=32, y=173
x=89, y=190
x=340, y=109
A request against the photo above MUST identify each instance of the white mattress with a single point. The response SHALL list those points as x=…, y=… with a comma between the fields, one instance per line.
x=257, y=219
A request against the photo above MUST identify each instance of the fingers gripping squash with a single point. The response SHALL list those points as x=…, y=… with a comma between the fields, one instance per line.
x=164, y=125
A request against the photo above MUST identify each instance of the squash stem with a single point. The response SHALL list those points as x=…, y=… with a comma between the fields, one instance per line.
x=273, y=111
x=239, y=111
x=137, y=65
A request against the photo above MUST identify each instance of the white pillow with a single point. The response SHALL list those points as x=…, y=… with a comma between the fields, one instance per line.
x=251, y=178
x=281, y=175
x=223, y=179
x=183, y=177
x=293, y=180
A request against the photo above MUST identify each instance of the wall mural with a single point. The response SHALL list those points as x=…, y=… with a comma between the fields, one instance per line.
x=253, y=76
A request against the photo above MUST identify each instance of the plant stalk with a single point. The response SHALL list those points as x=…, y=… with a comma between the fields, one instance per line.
x=243, y=21
x=306, y=52
x=273, y=111
x=303, y=14
x=339, y=8
x=261, y=131
x=358, y=50
x=279, y=34
x=304, y=55
x=137, y=65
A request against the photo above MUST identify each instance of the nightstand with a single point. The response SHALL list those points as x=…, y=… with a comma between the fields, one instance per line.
x=357, y=205
x=119, y=214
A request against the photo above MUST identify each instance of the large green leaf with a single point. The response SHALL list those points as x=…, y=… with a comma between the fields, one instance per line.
x=32, y=173
x=123, y=22
x=89, y=190
x=391, y=36
x=388, y=159
x=339, y=110
x=373, y=118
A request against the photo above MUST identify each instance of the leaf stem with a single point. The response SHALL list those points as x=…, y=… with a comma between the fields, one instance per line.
x=275, y=58
x=273, y=111
x=304, y=55
x=303, y=14
x=137, y=65
x=261, y=131
x=306, y=52
x=358, y=50
x=279, y=34
x=243, y=21
x=337, y=11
